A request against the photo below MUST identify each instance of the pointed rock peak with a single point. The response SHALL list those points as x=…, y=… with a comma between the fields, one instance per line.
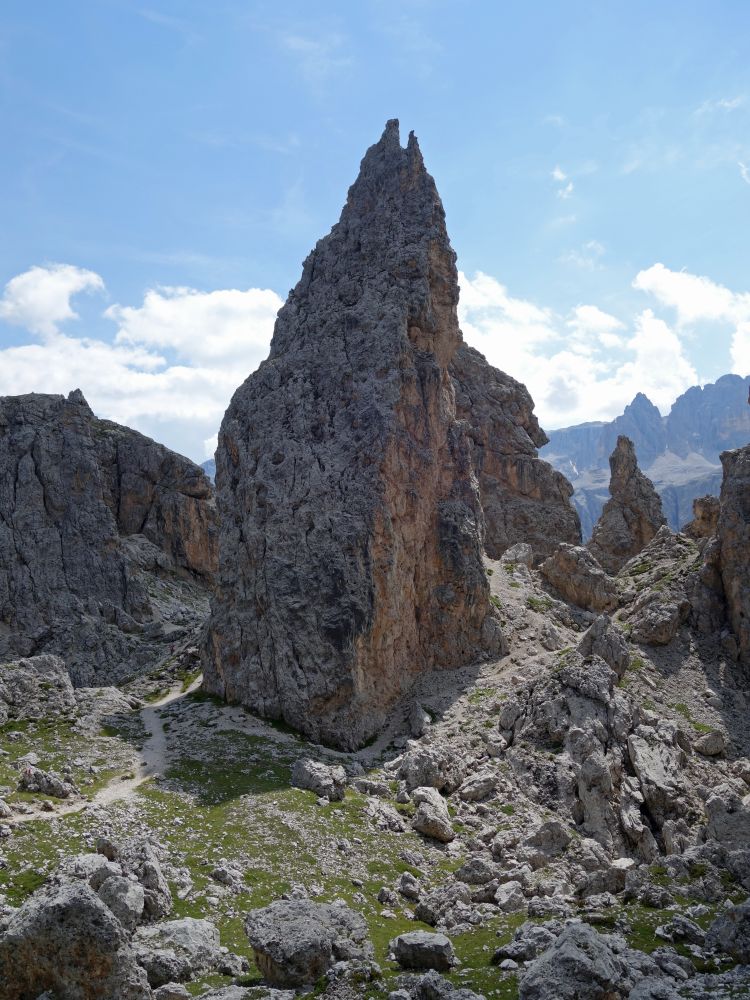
x=642, y=402
x=622, y=462
x=389, y=167
x=76, y=396
x=391, y=133
x=632, y=515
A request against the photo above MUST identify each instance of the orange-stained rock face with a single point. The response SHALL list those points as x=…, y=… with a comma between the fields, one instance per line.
x=351, y=535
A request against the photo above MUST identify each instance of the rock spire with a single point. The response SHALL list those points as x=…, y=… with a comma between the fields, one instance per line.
x=632, y=515
x=351, y=526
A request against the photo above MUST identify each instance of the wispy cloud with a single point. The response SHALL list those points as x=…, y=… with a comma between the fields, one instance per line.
x=318, y=57
x=565, y=189
x=744, y=171
x=722, y=104
x=177, y=25
x=588, y=256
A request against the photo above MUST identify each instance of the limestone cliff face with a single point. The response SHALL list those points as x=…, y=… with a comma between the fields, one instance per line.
x=71, y=488
x=523, y=498
x=734, y=541
x=632, y=515
x=157, y=493
x=351, y=529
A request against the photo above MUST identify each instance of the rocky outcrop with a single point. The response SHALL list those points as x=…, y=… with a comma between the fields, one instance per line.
x=89, y=512
x=578, y=577
x=36, y=688
x=734, y=541
x=65, y=940
x=296, y=941
x=705, y=523
x=157, y=493
x=632, y=515
x=523, y=498
x=351, y=527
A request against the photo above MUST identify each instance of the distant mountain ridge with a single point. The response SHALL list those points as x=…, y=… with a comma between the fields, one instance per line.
x=679, y=452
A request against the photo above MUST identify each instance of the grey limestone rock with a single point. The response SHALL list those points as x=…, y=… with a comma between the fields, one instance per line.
x=351, y=528
x=578, y=577
x=730, y=932
x=139, y=858
x=296, y=941
x=524, y=499
x=423, y=950
x=65, y=940
x=74, y=492
x=125, y=898
x=34, y=779
x=328, y=782
x=580, y=965
x=605, y=640
x=35, y=688
x=432, y=818
x=176, y=950
x=430, y=765
x=632, y=515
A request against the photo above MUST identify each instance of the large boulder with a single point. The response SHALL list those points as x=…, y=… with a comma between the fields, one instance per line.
x=65, y=940
x=432, y=818
x=578, y=577
x=632, y=515
x=176, y=950
x=730, y=932
x=423, y=950
x=579, y=965
x=80, y=501
x=328, y=782
x=605, y=640
x=139, y=858
x=35, y=688
x=296, y=941
x=523, y=498
x=351, y=528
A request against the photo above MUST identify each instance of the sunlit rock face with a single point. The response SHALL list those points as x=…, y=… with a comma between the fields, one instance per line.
x=351, y=525
x=523, y=498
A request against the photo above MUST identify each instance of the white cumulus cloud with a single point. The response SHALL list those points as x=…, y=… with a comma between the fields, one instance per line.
x=697, y=299
x=201, y=327
x=173, y=365
x=39, y=299
x=587, y=365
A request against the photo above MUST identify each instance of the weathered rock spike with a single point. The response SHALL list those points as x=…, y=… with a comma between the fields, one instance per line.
x=351, y=544
x=632, y=515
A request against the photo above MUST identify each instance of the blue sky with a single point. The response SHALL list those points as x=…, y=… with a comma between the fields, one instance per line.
x=167, y=166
